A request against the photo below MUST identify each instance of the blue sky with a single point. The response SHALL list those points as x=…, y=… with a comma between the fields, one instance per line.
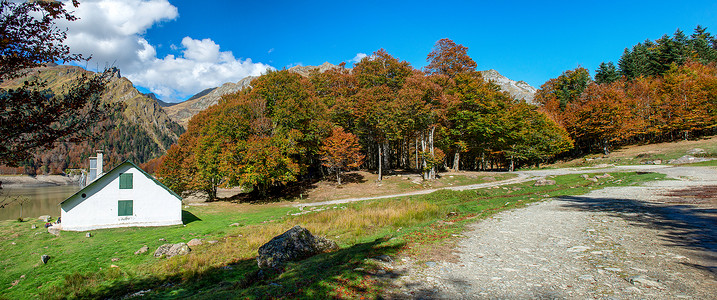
x=183, y=47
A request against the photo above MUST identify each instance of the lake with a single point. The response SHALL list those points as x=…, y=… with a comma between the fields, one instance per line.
x=40, y=201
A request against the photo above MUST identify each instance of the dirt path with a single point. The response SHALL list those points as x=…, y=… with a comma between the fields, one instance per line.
x=654, y=241
x=520, y=178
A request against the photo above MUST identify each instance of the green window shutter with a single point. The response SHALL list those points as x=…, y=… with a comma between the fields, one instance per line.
x=126, y=181
x=124, y=208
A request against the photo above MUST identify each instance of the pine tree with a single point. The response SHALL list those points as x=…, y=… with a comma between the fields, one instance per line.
x=606, y=73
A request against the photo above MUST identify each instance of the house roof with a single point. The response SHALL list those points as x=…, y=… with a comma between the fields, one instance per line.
x=114, y=169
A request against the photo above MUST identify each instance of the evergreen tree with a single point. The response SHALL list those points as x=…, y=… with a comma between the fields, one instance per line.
x=606, y=73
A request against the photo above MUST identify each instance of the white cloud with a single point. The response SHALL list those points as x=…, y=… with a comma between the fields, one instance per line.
x=270, y=51
x=357, y=58
x=200, y=66
x=111, y=31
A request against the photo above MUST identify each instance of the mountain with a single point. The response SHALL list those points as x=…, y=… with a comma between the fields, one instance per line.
x=518, y=89
x=182, y=112
x=140, y=130
x=307, y=70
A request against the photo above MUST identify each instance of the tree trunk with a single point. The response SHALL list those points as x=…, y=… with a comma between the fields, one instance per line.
x=338, y=176
x=380, y=161
x=456, y=161
x=512, y=164
x=432, y=173
x=606, y=148
x=418, y=166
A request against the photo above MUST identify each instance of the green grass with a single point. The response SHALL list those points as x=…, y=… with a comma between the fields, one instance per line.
x=416, y=226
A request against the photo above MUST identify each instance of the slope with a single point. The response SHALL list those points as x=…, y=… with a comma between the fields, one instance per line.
x=139, y=130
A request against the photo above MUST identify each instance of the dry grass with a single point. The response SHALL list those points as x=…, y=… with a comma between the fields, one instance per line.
x=364, y=184
x=351, y=223
x=637, y=154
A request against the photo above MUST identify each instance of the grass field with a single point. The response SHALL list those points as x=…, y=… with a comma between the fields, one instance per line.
x=423, y=227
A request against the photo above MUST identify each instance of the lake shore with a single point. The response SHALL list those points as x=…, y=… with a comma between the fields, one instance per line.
x=17, y=181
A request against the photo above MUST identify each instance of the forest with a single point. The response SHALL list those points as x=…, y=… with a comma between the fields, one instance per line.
x=285, y=128
x=659, y=91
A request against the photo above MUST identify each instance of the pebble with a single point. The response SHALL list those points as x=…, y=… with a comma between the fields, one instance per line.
x=587, y=277
x=578, y=249
x=430, y=264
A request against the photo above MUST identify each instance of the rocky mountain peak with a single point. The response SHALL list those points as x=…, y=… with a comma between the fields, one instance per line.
x=518, y=89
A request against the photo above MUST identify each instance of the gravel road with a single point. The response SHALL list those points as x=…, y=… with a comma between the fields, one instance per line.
x=656, y=241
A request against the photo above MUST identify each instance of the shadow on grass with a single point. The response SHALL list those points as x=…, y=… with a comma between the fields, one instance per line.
x=346, y=273
x=188, y=217
x=685, y=226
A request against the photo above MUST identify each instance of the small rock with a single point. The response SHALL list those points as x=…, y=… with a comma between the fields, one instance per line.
x=613, y=269
x=587, y=277
x=591, y=179
x=162, y=240
x=384, y=258
x=114, y=266
x=213, y=241
x=643, y=281
x=696, y=151
x=585, y=176
x=194, y=242
x=431, y=264
x=234, y=224
x=45, y=218
x=606, y=175
x=578, y=249
x=544, y=182
x=142, y=250
x=33, y=226
x=44, y=258
x=13, y=243
x=88, y=234
x=169, y=250
x=54, y=230
x=452, y=214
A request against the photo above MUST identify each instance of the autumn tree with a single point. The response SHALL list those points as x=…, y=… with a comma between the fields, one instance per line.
x=341, y=151
x=32, y=117
x=600, y=117
x=448, y=58
x=376, y=109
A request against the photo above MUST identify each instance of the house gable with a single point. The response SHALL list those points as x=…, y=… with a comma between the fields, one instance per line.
x=125, y=196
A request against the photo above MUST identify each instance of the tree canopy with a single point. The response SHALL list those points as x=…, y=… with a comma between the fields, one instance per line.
x=381, y=115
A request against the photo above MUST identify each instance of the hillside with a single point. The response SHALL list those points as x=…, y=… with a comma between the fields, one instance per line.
x=140, y=131
x=182, y=112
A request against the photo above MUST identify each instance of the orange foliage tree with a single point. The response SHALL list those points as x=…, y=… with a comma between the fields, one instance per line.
x=341, y=151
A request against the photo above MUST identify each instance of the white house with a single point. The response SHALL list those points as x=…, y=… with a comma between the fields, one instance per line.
x=123, y=197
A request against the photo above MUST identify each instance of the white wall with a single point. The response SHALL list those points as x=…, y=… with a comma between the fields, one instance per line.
x=152, y=204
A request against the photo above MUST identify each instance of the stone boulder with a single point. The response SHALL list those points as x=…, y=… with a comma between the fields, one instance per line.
x=194, y=242
x=142, y=250
x=169, y=250
x=295, y=244
x=544, y=182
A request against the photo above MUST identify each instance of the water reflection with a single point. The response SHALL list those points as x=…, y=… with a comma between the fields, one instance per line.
x=40, y=201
